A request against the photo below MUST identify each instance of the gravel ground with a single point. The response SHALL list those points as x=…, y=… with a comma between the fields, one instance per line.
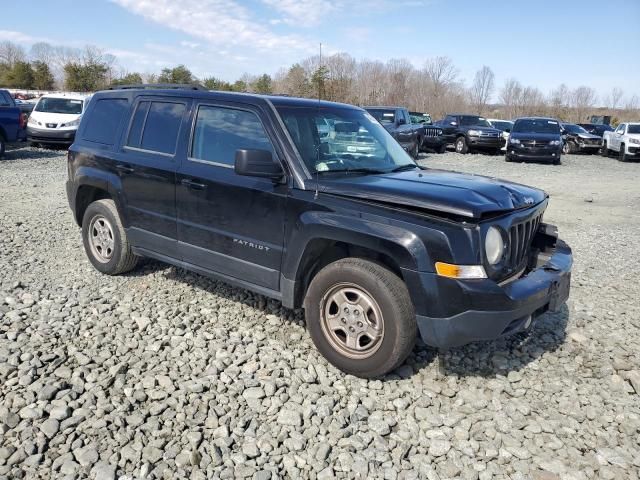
x=165, y=374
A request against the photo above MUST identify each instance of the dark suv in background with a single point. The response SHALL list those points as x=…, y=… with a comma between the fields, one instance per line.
x=535, y=138
x=280, y=196
x=470, y=132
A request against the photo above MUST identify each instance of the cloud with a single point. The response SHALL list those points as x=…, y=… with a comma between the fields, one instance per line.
x=21, y=38
x=302, y=12
x=221, y=23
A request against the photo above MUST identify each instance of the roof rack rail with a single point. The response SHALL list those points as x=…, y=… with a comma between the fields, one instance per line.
x=176, y=86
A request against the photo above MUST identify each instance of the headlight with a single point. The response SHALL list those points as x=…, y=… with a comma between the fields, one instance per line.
x=493, y=245
x=475, y=133
x=555, y=142
x=73, y=123
x=514, y=141
x=32, y=121
x=634, y=140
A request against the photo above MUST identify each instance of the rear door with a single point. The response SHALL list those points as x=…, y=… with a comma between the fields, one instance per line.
x=147, y=164
x=230, y=224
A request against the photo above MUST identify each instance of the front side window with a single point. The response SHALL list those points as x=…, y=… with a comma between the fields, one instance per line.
x=59, y=105
x=155, y=126
x=219, y=132
x=620, y=129
x=354, y=142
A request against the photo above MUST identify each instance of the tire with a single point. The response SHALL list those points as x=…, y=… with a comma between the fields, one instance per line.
x=109, y=250
x=339, y=287
x=461, y=145
x=442, y=149
x=415, y=151
x=557, y=161
x=622, y=155
x=507, y=158
x=605, y=150
x=2, y=146
x=567, y=148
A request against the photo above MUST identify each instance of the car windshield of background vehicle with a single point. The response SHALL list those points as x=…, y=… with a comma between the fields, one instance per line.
x=343, y=140
x=59, y=105
x=472, y=121
x=502, y=125
x=383, y=116
x=633, y=129
x=574, y=129
x=536, y=126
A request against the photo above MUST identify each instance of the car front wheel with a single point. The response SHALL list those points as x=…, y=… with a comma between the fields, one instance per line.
x=105, y=240
x=461, y=145
x=360, y=317
x=623, y=153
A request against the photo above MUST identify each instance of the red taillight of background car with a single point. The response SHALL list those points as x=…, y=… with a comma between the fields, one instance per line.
x=23, y=120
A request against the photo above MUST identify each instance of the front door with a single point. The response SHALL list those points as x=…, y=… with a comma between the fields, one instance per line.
x=229, y=224
x=146, y=165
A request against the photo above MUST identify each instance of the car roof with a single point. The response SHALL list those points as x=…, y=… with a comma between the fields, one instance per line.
x=70, y=95
x=464, y=115
x=390, y=107
x=538, y=118
x=254, y=98
x=499, y=120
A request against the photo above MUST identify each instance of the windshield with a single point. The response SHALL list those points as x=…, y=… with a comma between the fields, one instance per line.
x=536, y=126
x=420, y=118
x=473, y=121
x=342, y=140
x=569, y=127
x=502, y=124
x=633, y=129
x=59, y=105
x=383, y=116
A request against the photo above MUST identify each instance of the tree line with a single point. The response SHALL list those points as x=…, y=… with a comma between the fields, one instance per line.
x=436, y=87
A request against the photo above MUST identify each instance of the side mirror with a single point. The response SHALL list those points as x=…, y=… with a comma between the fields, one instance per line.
x=257, y=163
x=401, y=121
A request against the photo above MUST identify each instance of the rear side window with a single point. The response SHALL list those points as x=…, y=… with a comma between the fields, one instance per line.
x=155, y=126
x=5, y=101
x=219, y=132
x=104, y=121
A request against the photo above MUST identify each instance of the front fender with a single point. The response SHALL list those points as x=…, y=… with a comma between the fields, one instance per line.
x=402, y=245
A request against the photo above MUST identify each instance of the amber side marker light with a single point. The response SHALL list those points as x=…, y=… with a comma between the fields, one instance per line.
x=460, y=271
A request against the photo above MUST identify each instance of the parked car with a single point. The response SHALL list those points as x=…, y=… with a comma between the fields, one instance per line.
x=624, y=140
x=375, y=248
x=505, y=127
x=24, y=106
x=397, y=122
x=470, y=132
x=577, y=140
x=417, y=117
x=55, y=118
x=535, y=138
x=596, y=128
x=11, y=121
x=432, y=136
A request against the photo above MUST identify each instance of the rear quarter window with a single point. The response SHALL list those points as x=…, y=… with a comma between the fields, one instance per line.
x=103, y=122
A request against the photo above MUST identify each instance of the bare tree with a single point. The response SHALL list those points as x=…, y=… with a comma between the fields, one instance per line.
x=583, y=99
x=559, y=101
x=10, y=53
x=613, y=99
x=482, y=89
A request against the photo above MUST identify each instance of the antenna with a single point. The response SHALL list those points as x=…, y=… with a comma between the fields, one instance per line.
x=320, y=81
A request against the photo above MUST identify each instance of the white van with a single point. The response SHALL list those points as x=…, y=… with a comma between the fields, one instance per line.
x=56, y=117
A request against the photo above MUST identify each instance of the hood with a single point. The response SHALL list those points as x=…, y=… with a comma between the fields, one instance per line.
x=484, y=130
x=538, y=137
x=46, y=117
x=437, y=190
x=589, y=136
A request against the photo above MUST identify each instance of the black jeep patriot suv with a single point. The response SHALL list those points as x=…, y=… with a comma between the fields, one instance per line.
x=252, y=190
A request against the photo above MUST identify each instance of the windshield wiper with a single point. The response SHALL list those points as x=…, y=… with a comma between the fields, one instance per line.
x=401, y=168
x=354, y=170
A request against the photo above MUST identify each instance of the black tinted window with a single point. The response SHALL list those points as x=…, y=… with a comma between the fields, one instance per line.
x=104, y=121
x=219, y=132
x=5, y=100
x=159, y=123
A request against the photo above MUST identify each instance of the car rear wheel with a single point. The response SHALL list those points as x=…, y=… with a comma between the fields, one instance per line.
x=105, y=240
x=360, y=317
x=623, y=153
x=461, y=145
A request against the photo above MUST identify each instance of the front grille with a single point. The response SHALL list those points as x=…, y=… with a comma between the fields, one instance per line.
x=534, y=143
x=433, y=132
x=520, y=238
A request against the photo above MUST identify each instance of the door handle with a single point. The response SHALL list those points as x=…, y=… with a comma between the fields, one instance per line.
x=124, y=169
x=191, y=184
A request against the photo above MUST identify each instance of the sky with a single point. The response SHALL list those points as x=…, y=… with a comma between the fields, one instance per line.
x=542, y=43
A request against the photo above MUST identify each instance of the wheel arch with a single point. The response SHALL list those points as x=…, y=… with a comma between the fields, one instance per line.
x=92, y=185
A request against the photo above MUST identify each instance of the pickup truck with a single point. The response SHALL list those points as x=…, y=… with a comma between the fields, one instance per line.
x=397, y=121
x=471, y=132
x=11, y=121
x=624, y=140
x=376, y=248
